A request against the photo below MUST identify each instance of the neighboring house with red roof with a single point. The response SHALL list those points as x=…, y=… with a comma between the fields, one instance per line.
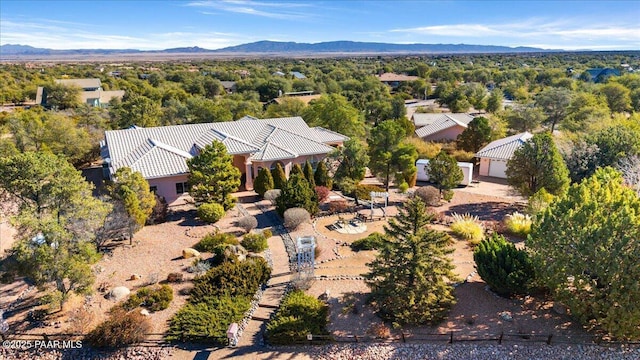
x=494, y=156
x=161, y=153
x=440, y=126
x=394, y=80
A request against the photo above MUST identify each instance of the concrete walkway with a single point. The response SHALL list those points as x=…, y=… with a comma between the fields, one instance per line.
x=251, y=344
x=280, y=277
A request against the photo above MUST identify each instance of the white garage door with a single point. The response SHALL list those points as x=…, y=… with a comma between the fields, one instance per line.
x=497, y=168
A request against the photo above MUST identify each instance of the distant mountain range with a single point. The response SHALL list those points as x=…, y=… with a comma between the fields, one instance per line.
x=275, y=47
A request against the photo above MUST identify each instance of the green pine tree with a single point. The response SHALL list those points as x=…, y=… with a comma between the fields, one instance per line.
x=308, y=174
x=297, y=192
x=321, y=175
x=585, y=248
x=263, y=182
x=444, y=171
x=279, y=177
x=504, y=268
x=133, y=190
x=296, y=169
x=213, y=177
x=538, y=164
x=410, y=277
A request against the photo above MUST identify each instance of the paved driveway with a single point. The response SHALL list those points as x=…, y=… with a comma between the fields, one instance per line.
x=493, y=187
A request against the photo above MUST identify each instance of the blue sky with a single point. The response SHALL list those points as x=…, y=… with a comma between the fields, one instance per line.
x=147, y=25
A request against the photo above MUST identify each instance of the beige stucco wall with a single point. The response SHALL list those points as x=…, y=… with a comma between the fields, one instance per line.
x=446, y=134
x=167, y=188
x=484, y=167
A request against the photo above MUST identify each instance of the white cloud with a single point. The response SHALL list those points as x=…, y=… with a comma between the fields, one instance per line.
x=58, y=37
x=274, y=10
x=556, y=32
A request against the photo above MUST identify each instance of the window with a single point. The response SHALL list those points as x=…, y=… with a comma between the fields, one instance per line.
x=182, y=188
x=153, y=189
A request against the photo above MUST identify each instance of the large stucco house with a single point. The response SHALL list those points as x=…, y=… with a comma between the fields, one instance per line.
x=440, y=126
x=494, y=156
x=91, y=92
x=161, y=153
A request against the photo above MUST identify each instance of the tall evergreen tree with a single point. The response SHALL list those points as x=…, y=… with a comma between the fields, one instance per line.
x=444, y=171
x=263, y=182
x=57, y=221
x=133, y=190
x=585, y=248
x=384, y=141
x=494, y=103
x=213, y=177
x=555, y=103
x=475, y=136
x=308, y=174
x=321, y=176
x=538, y=164
x=279, y=176
x=296, y=169
x=410, y=277
x=297, y=192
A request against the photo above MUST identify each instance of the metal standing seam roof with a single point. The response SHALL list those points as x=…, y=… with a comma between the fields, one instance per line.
x=425, y=119
x=503, y=149
x=440, y=124
x=328, y=136
x=163, y=151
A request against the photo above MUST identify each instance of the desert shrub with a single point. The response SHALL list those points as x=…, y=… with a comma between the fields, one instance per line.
x=267, y=233
x=175, y=277
x=208, y=321
x=152, y=298
x=426, y=150
x=447, y=195
x=317, y=251
x=255, y=242
x=339, y=206
x=228, y=252
x=467, y=227
x=462, y=156
x=159, y=211
x=364, y=191
x=295, y=217
x=272, y=195
x=372, y=242
x=263, y=182
x=199, y=266
x=504, y=268
x=518, y=224
x=120, y=329
x=429, y=195
x=80, y=320
x=538, y=202
x=412, y=179
x=322, y=192
x=210, y=241
x=299, y=315
x=232, y=279
x=380, y=331
x=248, y=223
x=403, y=187
x=210, y=212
